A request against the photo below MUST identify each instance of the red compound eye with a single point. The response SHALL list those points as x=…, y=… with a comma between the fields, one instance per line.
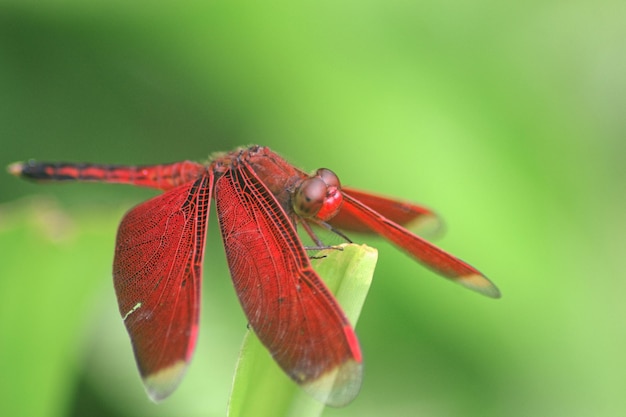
x=309, y=197
x=318, y=196
x=329, y=177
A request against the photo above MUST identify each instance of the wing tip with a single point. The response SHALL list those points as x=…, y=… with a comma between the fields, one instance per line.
x=481, y=284
x=428, y=224
x=160, y=385
x=338, y=386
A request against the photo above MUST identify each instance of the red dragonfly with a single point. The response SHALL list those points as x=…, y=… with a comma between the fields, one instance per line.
x=260, y=200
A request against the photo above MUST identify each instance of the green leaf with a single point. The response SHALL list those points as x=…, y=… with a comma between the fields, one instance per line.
x=260, y=387
x=51, y=270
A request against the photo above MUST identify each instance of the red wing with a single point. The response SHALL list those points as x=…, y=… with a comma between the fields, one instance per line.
x=426, y=253
x=416, y=218
x=287, y=304
x=157, y=272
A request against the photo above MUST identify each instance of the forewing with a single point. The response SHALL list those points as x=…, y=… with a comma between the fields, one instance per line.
x=418, y=219
x=423, y=251
x=287, y=304
x=157, y=273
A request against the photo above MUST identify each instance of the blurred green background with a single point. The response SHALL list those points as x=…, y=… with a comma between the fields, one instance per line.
x=507, y=118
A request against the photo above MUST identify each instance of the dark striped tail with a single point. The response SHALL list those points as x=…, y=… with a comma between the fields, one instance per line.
x=163, y=177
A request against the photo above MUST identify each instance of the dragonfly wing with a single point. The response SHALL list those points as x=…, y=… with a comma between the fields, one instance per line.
x=418, y=219
x=287, y=304
x=157, y=274
x=423, y=251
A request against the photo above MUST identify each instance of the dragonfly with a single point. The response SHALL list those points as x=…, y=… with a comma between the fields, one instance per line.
x=260, y=200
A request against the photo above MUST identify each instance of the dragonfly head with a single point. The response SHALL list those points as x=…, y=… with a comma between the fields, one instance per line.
x=318, y=196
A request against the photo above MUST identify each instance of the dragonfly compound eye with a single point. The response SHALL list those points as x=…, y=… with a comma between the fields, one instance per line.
x=329, y=177
x=319, y=196
x=309, y=197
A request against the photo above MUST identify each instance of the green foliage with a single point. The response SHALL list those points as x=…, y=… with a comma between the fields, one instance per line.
x=51, y=269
